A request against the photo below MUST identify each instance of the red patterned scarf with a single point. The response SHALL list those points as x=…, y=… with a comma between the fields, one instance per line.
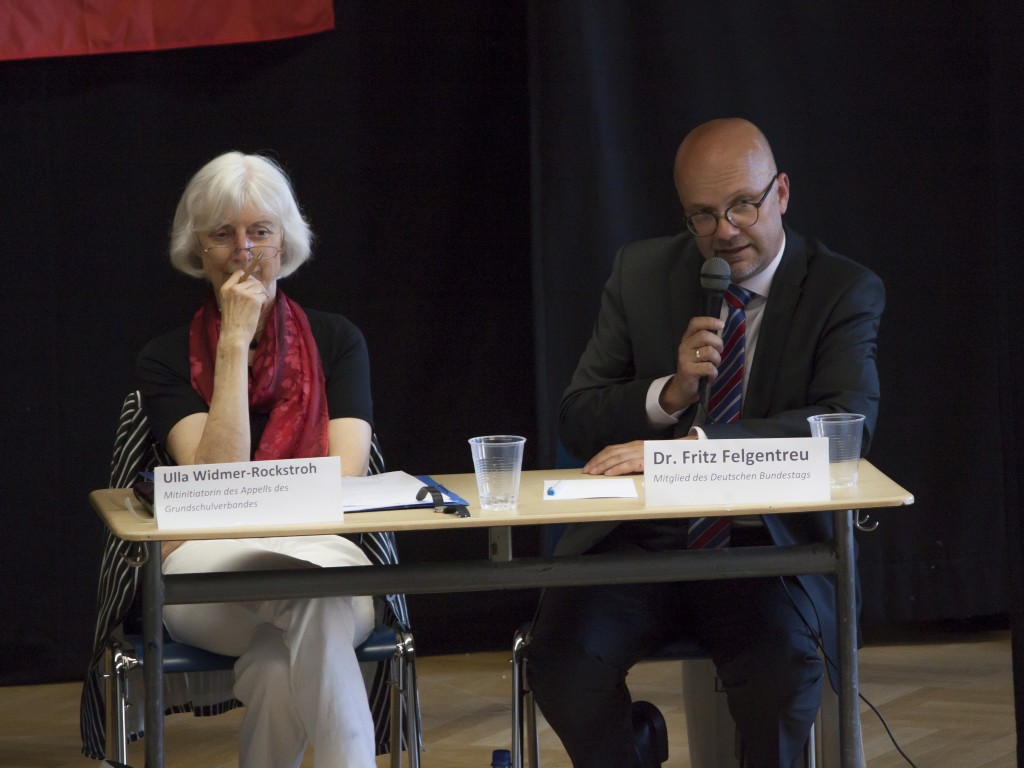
x=286, y=379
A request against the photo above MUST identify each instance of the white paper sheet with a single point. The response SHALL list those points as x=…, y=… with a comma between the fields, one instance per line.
x=383, y=491
x=597, y=488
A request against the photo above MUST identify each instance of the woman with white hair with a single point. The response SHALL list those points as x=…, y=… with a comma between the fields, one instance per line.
x=255, y=376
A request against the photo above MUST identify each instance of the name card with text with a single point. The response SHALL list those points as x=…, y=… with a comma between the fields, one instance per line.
x=725, y=472
x=277, y=492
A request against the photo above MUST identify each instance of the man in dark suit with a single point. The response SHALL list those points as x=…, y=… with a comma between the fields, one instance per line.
x=810, y=343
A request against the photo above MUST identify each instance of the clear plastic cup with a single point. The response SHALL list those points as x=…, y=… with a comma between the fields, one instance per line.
x=498, y=462
x=844, y=432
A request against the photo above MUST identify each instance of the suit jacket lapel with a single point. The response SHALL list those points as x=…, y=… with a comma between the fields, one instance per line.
x=771, y=340
x=685, y=290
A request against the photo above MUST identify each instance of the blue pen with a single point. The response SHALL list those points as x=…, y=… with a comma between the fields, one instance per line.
x=551, y=489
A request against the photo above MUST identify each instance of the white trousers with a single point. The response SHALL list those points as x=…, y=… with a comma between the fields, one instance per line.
x=296, y=673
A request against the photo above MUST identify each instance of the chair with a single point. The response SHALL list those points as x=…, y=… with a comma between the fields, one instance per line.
x=384, y=643
x=714, y=752
x=199, y=681
x=706, y=711
x=525, y=735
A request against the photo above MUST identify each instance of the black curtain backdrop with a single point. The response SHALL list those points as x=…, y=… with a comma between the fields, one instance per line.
x=406, y=135
x=470, y=171
x=884, y=122
x=1007, y=231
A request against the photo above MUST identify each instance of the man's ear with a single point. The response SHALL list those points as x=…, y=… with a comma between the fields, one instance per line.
x=782, y=185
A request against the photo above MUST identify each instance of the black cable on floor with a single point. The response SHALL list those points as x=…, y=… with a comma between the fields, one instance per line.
x=834, y=666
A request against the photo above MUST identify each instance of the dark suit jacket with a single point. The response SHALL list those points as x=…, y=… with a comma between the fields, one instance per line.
x=815, y=353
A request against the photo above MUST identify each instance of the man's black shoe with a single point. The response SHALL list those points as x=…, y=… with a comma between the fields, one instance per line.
x=650, y=736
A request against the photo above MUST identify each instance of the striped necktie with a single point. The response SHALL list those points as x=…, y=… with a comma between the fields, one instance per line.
x=725, y=398
x=725, y=395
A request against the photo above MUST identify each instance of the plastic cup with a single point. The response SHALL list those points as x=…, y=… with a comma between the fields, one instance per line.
x=844, y=432
x=497, y=461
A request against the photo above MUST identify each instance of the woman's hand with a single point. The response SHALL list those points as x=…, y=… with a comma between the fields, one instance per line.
x=222, y=434
x=242, y=303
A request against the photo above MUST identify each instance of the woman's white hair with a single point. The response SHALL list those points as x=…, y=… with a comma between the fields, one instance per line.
x=222, y=189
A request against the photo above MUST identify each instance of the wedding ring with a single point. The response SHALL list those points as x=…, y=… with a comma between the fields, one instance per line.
x=697, y=353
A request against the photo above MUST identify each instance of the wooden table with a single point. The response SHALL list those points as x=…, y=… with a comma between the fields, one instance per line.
x=500, y=570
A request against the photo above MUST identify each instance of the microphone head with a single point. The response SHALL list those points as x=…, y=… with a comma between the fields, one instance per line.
x=715, y=275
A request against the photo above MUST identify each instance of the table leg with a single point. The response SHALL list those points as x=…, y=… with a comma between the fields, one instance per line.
x=846, y=617
x=499, y=543
x=153, y=664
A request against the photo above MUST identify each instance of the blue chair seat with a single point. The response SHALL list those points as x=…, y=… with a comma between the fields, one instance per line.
x=384, y=642
x=679, y=650
x=181, y=657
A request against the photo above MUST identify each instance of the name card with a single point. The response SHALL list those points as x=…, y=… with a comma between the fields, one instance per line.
x=727, y=472
x=248, y=493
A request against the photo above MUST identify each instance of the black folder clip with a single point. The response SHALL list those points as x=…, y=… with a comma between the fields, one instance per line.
x=437, y=499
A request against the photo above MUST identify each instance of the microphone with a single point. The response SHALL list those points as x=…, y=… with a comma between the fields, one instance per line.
x=715, y=276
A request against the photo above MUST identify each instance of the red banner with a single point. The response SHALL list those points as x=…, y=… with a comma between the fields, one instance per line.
x=38, y=28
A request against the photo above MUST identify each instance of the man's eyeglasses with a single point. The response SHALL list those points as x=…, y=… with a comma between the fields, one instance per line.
x=741, y=215
x=255, y=251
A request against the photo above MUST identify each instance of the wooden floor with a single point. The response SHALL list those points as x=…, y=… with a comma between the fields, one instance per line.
x=949, y=704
